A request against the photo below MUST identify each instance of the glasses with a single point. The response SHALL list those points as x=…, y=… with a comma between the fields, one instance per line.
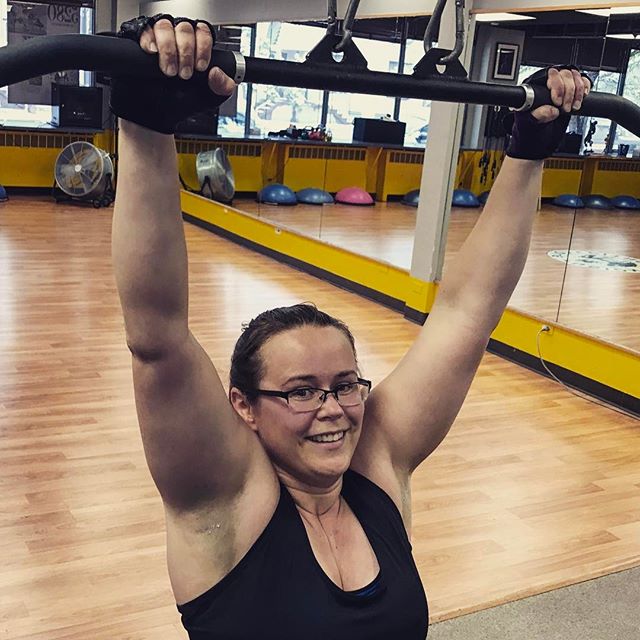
x=347, y=394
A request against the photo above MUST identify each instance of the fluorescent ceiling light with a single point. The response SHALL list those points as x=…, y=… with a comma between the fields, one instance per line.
x=501, y=17
x=623, y=36
x=605, y=13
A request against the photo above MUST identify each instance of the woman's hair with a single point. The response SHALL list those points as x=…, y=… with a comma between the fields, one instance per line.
x=247, y=367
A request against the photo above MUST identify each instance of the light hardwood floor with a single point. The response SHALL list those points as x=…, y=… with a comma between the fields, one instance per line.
x=533, y=488
x=599, y=303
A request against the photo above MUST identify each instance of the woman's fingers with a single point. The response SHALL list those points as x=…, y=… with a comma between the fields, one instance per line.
x=185, y=44
x=569, y=90
x=148, y=41
x=167, y=49
x=181, y=50
x=204, y=43
x=221, y=83
x=579, y=90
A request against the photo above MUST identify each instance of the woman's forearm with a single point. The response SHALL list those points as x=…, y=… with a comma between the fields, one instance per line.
x=148, y=244
x=487, y=268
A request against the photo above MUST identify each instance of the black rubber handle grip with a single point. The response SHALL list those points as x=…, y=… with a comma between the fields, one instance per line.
x=118, y=56
x=47, y=54
x=605, y=105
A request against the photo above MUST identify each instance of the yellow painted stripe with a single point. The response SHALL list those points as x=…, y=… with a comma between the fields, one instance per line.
x=610, y=365
x=381, y=277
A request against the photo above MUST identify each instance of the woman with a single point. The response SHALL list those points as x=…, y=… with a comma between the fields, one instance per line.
x=288, y=502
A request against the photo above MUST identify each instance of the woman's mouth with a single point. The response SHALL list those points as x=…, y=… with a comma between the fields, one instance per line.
x=328, y=438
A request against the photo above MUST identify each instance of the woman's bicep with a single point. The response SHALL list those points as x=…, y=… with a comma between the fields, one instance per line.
x=197, y=447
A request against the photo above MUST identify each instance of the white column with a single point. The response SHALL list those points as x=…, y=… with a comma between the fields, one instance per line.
x=440, y=163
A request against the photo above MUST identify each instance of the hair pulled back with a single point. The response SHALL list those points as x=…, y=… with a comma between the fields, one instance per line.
x=247, y=367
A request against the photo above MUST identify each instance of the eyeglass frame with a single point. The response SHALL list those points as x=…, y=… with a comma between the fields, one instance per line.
x=326, y=392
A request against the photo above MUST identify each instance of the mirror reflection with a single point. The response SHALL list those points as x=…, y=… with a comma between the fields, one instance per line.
x=601, y=286
x=529, y=42
x=368, y=152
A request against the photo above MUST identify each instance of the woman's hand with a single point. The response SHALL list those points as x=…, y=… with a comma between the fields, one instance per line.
x=180, y=50
x=568, y=90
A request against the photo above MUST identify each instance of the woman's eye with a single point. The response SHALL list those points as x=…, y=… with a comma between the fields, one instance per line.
x=346, y=387
x=300, y=393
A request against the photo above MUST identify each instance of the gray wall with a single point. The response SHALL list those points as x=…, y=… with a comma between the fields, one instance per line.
x=487, y=37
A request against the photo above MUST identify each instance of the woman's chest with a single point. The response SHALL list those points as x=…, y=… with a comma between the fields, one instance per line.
x=343, y=551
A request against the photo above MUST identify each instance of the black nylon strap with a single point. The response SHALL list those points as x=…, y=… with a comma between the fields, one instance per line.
x=132, y=29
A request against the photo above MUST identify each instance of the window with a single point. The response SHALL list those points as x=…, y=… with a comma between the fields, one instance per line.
x=607, y=82
x=416, y=113
x=35, y=115
x=631, y=91
x=233, y=127
x=344, y=107
x=525, y=71
x=275, y=108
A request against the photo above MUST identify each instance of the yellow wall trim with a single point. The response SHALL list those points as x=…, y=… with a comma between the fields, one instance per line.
x=608, y=364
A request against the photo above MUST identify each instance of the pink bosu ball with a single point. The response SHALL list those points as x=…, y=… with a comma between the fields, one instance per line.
x=354, y=195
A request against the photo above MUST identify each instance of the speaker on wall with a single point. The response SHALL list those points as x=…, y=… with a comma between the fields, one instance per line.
x=74, y=106
x=378, y=131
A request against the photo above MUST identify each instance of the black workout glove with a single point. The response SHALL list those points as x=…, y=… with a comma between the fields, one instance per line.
x=531, y=139
x=159, y=104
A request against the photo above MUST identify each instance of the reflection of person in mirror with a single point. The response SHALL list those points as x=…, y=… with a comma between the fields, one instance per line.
x=588, y=140
x=288, y=498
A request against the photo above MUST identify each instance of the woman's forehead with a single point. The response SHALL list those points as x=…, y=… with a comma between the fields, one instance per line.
x=318, y=351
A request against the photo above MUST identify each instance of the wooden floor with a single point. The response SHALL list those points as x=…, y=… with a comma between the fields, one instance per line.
x=534, y=488
x=599, y=303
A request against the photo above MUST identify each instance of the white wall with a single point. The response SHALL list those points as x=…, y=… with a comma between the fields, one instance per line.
x=232, y=11
x=247, y=11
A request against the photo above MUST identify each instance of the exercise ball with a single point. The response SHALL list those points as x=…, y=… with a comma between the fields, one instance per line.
x=3, y=194
x=412, y=199
x=277, y=194
x=464, y=198
x=354, y=195
x=625, y=202
x=597, y=201
x=569, y=201
x=314, y=196
x=483, y=197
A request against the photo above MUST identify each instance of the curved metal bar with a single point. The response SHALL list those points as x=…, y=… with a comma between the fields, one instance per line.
x=332, y=16
x=455, y=54
x=116, y=56
x=433, y=26
x=347, y=26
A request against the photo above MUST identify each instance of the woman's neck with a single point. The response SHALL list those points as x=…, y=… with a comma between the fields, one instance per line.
x=313, y=501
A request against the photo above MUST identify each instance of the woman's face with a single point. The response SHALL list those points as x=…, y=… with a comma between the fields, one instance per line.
x=308, y=356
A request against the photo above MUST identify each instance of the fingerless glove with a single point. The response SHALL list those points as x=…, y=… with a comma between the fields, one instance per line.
x=160, y=103
x=531, y=139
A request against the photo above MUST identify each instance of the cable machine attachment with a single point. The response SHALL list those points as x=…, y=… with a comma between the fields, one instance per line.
x=334, y=42
x=434, y=57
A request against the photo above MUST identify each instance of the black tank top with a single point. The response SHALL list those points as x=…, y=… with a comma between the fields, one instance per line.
x=278, y=591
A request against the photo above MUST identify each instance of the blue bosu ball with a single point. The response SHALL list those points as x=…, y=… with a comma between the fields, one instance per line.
x=625, y=202
x=483, y=197
x=464, y=198
x=277, y=194
x=3, y=194
x=569, y=201
x=314, y=196
x=412, y=199
x=596, y=201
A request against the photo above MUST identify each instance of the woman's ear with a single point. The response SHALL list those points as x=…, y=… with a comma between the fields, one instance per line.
x=242, y=407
